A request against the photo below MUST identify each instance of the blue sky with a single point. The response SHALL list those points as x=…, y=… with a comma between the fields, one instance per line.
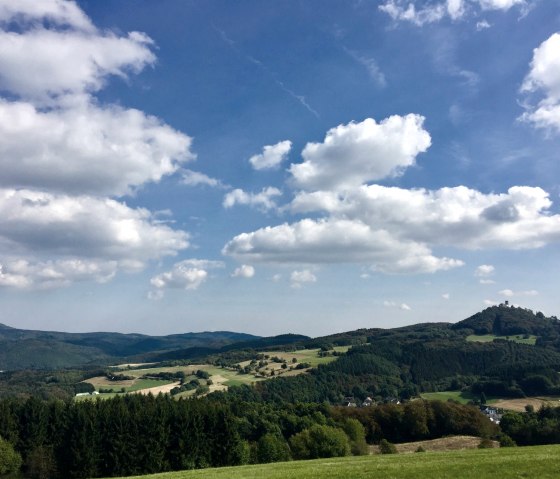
x=272, y=167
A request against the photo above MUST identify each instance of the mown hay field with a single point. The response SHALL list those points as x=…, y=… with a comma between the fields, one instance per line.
x=542, y=462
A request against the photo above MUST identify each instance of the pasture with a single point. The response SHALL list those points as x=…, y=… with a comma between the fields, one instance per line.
x=221, y=377
x=517, y=338
x=542, y=462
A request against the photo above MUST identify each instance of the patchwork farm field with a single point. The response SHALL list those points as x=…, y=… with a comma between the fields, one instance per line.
x=542, y=462
x=222, y=378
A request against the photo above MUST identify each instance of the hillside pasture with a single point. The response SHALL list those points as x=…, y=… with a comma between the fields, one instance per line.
x=517, y=338
x=462, y=397
x=541, y=462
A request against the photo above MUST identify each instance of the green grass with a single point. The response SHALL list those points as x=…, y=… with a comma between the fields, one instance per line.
x=542, y=462
x=459, y=396
x=488, y=338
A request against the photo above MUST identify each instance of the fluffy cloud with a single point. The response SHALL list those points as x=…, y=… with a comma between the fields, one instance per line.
x=86, y=148
x=61, y=12
x=335, y=241
x=357, y=153
x=422, y=12
x=396, y=229
x=484, y=270
x=244, y=271
x=459, y=216
x=272, y=156
x=20, y=273
x=34, y=59
x=298, y=278
x=63, y=155
x=263, y=200
x=83, y=226
x=544, y=78
x=187, y=274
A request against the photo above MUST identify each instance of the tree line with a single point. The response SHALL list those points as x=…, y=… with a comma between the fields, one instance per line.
x=136, y=434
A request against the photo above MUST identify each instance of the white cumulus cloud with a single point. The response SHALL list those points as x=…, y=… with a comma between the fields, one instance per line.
x=298, y=278
x=61, y=12
x=272, y=156
x=244, y=271
x=34, y=59
x=396, y=230
x=83, y=226
x=86, y=148
x=544, y=79
x=484, y=270
x=65, y=157
x=188, y=274
x=263, y=200
x=356, y=153
x=22, y=274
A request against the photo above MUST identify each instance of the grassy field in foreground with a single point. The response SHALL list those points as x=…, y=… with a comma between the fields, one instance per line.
x=541, y=462
x=487, y=338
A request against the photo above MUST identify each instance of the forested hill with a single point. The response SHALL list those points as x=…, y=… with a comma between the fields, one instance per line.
x=30, y=349
x=504, y=320
x=404, y=362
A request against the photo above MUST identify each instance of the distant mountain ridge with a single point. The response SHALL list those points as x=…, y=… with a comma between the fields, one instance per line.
x=32, y=349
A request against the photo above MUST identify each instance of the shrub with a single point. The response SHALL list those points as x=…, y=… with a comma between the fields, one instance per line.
x=506, y=441
x=485, y=443
x=386, y=447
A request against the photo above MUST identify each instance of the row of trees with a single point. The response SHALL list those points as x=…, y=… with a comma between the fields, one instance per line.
x=137, y=434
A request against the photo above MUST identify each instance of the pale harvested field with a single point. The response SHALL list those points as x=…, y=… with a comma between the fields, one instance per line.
x=519, y=404
x=166, y=388
x=453, y=443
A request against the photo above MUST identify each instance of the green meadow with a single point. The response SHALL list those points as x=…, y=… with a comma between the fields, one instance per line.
x=517, y=338
x=542, y=462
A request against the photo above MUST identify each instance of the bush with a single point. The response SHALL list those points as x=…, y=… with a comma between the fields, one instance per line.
x=506, y=441
x=485, y=443
x=420, y=449
x=386, y=447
